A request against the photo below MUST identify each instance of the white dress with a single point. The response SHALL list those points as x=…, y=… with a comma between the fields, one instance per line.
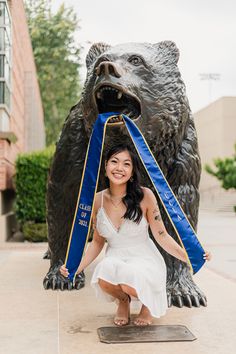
x=131, y=258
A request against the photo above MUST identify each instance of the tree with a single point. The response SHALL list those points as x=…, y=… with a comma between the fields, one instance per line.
x=57, y=61
x=225, y=171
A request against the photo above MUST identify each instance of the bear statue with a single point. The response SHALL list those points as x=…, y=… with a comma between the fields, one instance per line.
x=143, y=81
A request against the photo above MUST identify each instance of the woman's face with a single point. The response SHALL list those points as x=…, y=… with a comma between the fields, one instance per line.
x=119, y=167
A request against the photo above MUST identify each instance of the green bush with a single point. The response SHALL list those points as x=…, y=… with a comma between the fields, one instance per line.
x=225, y=171
x=35, y=232
x=31, y=182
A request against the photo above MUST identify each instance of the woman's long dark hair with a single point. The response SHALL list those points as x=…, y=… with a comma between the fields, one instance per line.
x=134, y=191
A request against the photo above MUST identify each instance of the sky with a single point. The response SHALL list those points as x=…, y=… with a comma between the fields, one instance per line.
x=203, y=30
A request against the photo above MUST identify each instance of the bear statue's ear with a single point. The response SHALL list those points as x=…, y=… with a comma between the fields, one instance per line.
x=94, y=52
x=169, y=51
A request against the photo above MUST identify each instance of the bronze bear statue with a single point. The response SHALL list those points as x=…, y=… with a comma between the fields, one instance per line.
x=143, y=81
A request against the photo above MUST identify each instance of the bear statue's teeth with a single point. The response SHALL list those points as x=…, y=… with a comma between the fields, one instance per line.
x=114, y=99
x=119, y=95
x=115, y=119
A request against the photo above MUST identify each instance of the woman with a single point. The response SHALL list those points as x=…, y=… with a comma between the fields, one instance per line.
x=133, y=266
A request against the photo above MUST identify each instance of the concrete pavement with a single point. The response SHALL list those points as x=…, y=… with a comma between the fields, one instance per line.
x=36, y=321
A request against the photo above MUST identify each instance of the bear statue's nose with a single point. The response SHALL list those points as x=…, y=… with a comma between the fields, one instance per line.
x=108, y=68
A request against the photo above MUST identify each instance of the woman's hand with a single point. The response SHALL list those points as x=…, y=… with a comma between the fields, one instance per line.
x=207, y=256
x=64, y=271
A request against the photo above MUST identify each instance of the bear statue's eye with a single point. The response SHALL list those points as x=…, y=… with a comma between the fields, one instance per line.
x=135, y=60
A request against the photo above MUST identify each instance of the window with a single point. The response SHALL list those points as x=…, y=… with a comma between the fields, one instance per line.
x=5, y=54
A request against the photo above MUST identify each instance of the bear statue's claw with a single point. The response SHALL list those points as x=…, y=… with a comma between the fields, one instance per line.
x=46, y=284
x=203, y=301
x=177, y=301
x=195, y=300
x=55, y=281
x=63, y=286
x=78, y=285
x=47, y=255
x=70, y=285
x=187, y=301
x=169, y=300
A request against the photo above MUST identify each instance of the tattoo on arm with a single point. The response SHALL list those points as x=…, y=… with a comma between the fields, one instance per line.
x=161, y=232
x=158, y=216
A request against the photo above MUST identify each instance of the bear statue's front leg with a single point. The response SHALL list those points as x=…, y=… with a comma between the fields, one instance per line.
x=181, y=289
x=54, y=280
x=62, y=194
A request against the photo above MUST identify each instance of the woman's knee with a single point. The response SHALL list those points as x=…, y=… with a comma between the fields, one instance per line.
x=105, y=284
x=128, y=290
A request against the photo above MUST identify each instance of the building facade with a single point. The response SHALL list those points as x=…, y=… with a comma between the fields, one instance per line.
x=216, y=128
x=21, y=112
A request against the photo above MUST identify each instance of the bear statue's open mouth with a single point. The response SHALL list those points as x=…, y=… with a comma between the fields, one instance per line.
x=111, y=98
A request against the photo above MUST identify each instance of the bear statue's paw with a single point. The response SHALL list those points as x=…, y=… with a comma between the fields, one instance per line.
x=184, y=292
x=47, y=255
x=55, y=281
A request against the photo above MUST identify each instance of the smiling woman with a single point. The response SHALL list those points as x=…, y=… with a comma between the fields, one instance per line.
x=122, y=173
x=133, y=268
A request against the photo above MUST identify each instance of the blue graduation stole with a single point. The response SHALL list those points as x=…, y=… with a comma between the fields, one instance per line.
x=83, y=214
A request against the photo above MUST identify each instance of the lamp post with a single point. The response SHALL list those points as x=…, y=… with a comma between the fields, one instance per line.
x=210, y=77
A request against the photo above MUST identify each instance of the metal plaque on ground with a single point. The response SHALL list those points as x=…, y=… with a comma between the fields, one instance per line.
x=135, y=334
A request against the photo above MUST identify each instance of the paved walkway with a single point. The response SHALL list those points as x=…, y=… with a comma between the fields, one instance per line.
x=36, y=321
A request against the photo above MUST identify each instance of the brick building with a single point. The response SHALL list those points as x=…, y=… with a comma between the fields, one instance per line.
x=21, y=112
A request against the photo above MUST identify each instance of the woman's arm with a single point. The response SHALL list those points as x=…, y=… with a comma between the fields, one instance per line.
x=93, y=250
x=159, y=231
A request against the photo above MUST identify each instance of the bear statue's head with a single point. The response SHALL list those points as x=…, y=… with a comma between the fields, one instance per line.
x=141, y=80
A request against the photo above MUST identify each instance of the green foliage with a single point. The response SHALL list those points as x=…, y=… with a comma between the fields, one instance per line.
x=57, y=61
x=225, y=171
x=30, y=181
x=35, y=232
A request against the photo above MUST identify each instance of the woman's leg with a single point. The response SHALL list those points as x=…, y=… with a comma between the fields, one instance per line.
x=128, y=290
x=114, y=290
x=122, y=315
x=144, y=318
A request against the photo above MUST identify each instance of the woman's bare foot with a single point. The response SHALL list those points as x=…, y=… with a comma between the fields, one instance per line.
x=122, y=317
x=144, y=318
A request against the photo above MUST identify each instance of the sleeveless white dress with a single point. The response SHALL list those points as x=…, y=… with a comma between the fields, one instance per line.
x=131, y=258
